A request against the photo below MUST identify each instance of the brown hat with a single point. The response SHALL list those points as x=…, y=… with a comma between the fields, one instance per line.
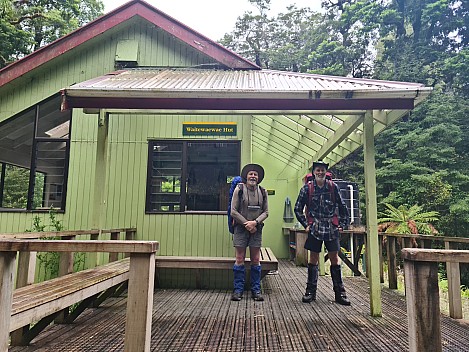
x=319, y=163
x=253, y=167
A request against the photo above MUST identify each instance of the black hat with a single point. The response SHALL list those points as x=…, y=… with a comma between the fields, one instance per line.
x=319, y=163
x=253, y=167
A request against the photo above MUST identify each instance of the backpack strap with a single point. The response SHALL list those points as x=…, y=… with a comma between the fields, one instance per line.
x=240, y=193
x=332, y=190
x=264, y=192
x=310, y=197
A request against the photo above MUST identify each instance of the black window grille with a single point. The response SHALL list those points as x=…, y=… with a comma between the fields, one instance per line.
x=190, y=175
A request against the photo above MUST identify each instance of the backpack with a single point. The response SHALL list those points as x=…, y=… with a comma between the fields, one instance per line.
x=331, y=185
x=237, y=182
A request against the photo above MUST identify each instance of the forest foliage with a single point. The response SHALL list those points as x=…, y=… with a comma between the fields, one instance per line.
x=423, y=160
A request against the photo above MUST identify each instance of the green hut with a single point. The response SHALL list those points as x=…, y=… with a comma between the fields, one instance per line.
x=136, y=120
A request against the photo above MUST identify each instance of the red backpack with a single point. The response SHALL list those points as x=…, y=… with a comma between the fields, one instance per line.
x=335, y=218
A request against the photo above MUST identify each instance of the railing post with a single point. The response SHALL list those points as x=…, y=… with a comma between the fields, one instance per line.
x=392, y=263
x=139, y=302
x=381, y=260
x=406, y=242
x=114, y=256
x=454, y=286
x=7, y=275
x=65, y=267
x=25, y=276
x=423, y=306
x=129, y=236
x=26, y=269
x=93, y=257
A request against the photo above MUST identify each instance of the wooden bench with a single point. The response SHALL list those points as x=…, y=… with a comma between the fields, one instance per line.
x=41, y=302
x=268, y=263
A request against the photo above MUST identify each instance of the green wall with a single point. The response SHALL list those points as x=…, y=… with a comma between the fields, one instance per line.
x=179, y=234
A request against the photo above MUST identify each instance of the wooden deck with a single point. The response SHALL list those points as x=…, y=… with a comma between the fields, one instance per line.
x=202, y=320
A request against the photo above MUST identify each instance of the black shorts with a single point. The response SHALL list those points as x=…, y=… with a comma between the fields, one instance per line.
x=314, y=245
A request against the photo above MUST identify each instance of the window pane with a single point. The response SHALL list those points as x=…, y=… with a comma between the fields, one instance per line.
x=50, y=174
x=165, y=176
x=191, y=175
x=15, y=187
x=53, y=123
x=209, y=164
x=50, y=135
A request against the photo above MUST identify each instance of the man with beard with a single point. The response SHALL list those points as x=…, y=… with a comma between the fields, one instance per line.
x=249, y=209
x=321, y=207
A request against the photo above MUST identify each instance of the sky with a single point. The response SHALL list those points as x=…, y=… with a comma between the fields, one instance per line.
x=212, y=18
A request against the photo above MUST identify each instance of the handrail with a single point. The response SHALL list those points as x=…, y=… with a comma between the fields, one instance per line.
x=67, y=233
x=27, y=259
x=20, y=245
x=422, y=294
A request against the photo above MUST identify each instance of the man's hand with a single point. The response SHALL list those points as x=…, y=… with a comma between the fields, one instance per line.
x=250, y=225
x=307, y=228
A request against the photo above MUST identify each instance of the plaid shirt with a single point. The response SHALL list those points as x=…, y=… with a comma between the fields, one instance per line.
x=322, y=210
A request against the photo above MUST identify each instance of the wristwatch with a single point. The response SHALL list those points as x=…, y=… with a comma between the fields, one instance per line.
x=257, y=222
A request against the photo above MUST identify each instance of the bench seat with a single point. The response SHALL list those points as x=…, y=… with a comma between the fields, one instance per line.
x=268, y=263
x=34, y=302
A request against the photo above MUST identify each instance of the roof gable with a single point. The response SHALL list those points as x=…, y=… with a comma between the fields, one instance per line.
x=113, y=19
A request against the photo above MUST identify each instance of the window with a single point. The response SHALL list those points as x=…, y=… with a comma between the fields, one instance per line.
x=190, y=175
x=34, y=149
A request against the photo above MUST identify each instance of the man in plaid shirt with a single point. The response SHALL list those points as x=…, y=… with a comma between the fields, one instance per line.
x=322, y=227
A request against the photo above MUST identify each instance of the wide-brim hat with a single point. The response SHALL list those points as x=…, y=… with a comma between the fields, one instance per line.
x=253, y=167
x=319, y=163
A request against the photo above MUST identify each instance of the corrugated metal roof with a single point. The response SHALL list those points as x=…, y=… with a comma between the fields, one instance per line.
x=296, y=116
x=201, y=80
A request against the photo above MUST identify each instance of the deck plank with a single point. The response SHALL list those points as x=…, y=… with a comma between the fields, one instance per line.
x=207, y=320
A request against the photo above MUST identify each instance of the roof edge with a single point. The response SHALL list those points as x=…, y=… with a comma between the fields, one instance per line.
x=112, y=19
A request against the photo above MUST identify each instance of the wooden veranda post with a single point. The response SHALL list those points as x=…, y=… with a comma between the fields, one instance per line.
x=100, y=177
x=372, y=248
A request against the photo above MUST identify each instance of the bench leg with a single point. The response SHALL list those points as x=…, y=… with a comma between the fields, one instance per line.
x=139, y=303
x=7, y=276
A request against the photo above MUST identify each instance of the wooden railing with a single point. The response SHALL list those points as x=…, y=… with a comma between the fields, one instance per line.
x=390, y=245
x=27, y=260
x=422, y=294
x=141, y=270
x=24, y=247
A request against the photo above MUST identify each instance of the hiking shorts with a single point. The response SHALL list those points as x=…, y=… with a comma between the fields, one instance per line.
x=314, y=245
x=244, y=239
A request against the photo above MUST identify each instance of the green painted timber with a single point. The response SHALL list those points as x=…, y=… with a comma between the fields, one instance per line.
x=371, y=216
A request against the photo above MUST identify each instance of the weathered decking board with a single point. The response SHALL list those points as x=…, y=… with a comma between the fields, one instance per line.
x=198, y=320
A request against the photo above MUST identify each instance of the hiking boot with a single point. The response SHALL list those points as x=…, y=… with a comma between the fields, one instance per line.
x=257, y=297
x=341, y=298
x=309, y=296
x=339, y=290
x=311, y=284
x=237, y=296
